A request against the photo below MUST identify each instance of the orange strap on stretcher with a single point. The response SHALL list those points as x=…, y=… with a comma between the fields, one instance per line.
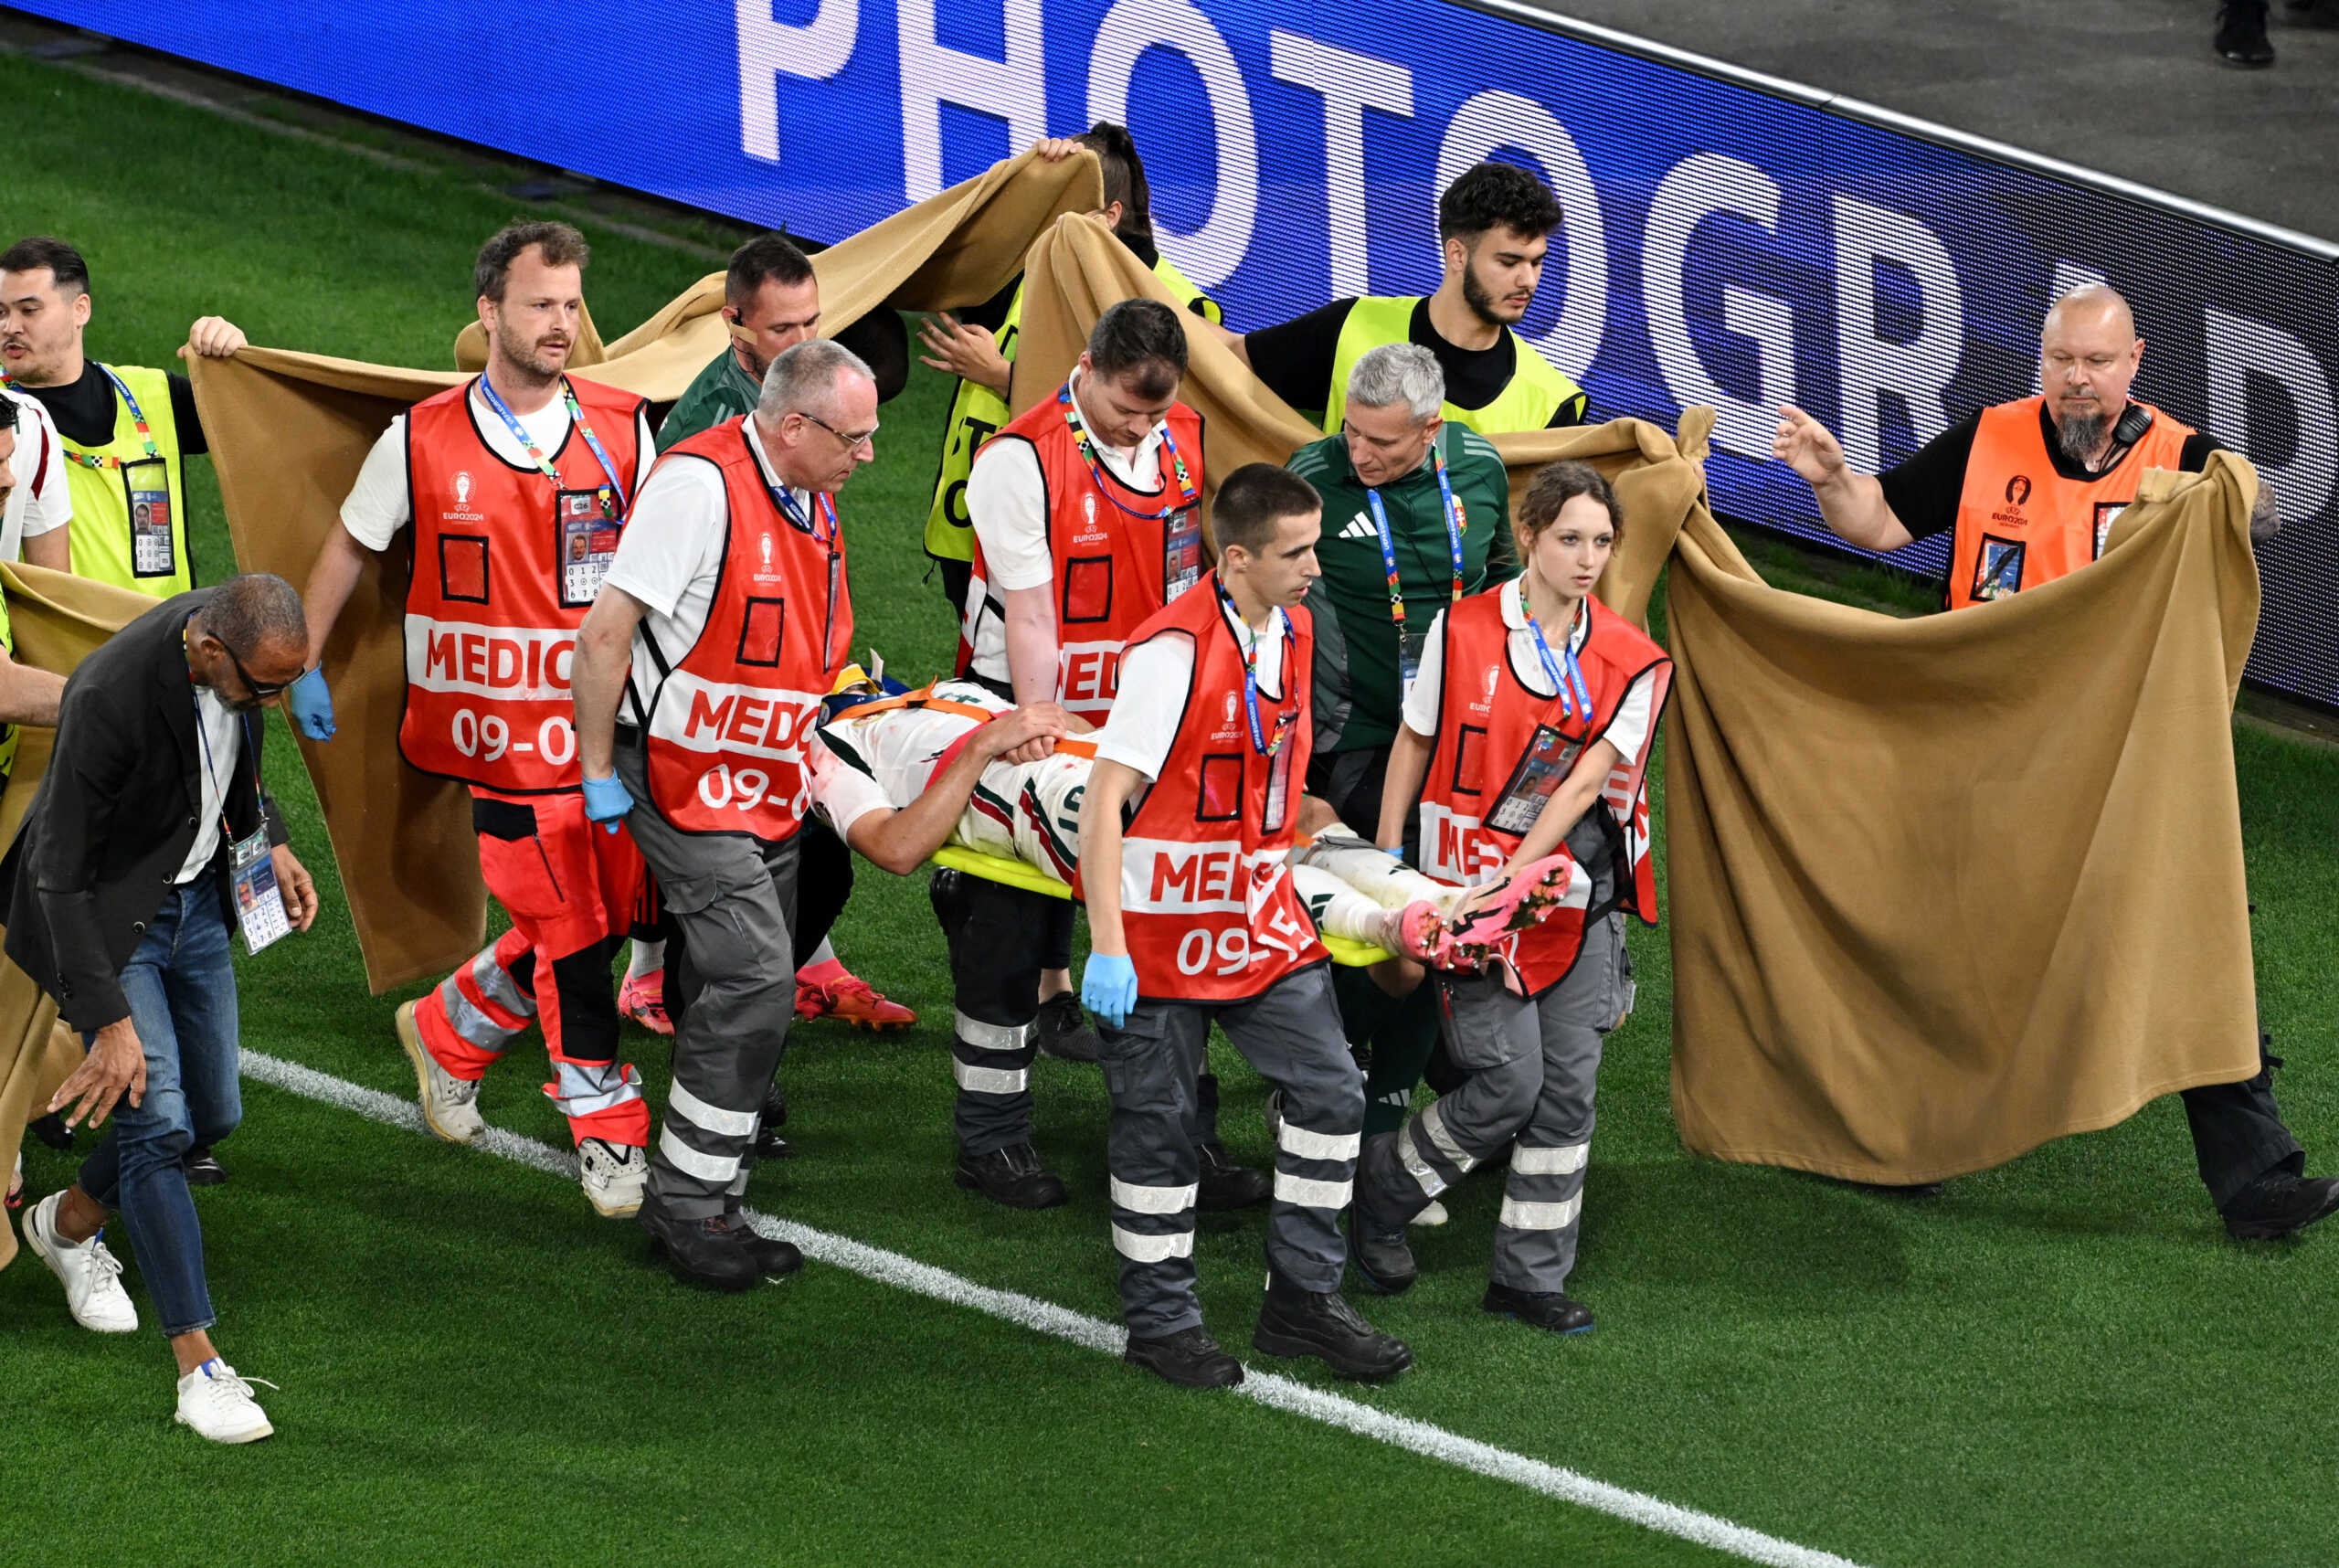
x=923, y=697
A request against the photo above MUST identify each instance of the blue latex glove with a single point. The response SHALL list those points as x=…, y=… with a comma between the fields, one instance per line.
x=312, y=705
x=607, y=800
x=1108, y=987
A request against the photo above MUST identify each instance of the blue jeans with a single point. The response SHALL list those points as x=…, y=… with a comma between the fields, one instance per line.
x=181, y=985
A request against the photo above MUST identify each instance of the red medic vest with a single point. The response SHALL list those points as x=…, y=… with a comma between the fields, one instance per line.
x=1110, y=567
x=730, y=718
x=489, y=630
x=1499, y=741
x=2020, y=523
x=1206, y=897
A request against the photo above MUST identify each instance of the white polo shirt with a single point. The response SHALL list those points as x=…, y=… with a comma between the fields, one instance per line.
x=1628, y=734
x=41, y=501
x=380, y=502
x=1007, y=501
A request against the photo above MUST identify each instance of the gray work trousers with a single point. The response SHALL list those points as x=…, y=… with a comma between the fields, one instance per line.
x=1531, y=1066
x=732, y=899
x=1291, y=1034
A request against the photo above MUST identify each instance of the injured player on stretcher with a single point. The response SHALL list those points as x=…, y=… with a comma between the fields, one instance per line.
x=900, y=777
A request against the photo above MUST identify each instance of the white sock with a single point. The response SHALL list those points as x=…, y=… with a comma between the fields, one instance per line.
x=823, y=954
x=649, y=957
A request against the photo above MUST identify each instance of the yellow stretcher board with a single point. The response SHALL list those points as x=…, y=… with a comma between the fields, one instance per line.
x=1345, y=951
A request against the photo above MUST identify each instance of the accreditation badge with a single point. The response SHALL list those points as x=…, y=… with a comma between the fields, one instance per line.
x=1538, y=777
x=1181, y=552
x=1279, y=774
x=146, y=485
x=259, y=903
x=1997, y=574
x=1410, y=644
x=588, y=542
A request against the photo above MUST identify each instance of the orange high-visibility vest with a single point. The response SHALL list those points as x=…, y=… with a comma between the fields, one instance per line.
x=2020, y=523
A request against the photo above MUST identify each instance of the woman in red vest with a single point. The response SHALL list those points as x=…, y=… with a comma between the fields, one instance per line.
x=1527, y=730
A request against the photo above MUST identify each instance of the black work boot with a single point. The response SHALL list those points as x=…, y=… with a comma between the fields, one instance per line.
x=1062, y=1030
x=777, y=1259
x=1296, y=1322
x=1189, y=1358
x=771, y=1143
x=1384, y=1261
x=712, y=1252
x=1226, y=1185
x=1012, y=1176
x=2241, y=35
x=2279, y=1203
x=1554, y=1311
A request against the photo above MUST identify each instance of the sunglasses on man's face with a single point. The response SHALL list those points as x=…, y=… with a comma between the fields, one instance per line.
x=260, y=690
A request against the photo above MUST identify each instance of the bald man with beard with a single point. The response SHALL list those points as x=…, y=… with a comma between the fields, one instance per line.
x=2029, y=492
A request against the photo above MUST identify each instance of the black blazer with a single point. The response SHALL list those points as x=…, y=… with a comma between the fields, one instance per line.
x=115, y=816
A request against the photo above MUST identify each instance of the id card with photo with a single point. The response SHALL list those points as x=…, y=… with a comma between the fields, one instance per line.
x=588, y=542
x=259, y=903
x=1533, y=782
x=153, y=551
x=1181, y=552
x=1997, y=574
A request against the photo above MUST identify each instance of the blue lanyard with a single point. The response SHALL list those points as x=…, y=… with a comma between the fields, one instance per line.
x=1564, y=681
x=1189, y=493
x=528, y=444
x=795, y=514
x=1457, y=521
x=1261, y=741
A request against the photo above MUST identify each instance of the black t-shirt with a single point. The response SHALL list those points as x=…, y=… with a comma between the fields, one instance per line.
x=1295, y=359
x=84, y=409
x=1923, y=492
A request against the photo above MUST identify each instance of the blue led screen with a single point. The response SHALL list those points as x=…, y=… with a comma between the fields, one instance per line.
x=1724, y=245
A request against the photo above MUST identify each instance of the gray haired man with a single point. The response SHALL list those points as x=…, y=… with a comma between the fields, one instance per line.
x=700, y=670
x=1416, y=513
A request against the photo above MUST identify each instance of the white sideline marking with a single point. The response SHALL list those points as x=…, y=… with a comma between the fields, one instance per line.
x=1269, y=1389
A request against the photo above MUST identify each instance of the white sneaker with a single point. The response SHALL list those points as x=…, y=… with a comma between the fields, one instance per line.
x=614, y=1176
x=449, y=1104
x=91, y=1273
x=219, y=1405
x=1433, y=1214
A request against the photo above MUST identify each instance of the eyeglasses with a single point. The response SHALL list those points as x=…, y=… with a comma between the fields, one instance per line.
x=260, y=690
x=852, y=442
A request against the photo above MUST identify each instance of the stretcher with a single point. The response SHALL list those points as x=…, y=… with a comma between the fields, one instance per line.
x=1345, y=951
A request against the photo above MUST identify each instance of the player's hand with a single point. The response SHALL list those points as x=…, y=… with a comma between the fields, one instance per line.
x=1805, y=445
x=1108, y=987
x=1055, y=149
x=955, y=348
x=298, y=887
x=607, y=800
x=1032, y=728
x=312, y=704
x=214, y=338
x=115, y=1066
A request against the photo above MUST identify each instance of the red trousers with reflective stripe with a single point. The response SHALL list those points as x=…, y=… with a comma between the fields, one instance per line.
x=572, y=889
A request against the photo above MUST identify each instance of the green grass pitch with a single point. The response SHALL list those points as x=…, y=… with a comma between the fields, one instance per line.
x=2059, y=1362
